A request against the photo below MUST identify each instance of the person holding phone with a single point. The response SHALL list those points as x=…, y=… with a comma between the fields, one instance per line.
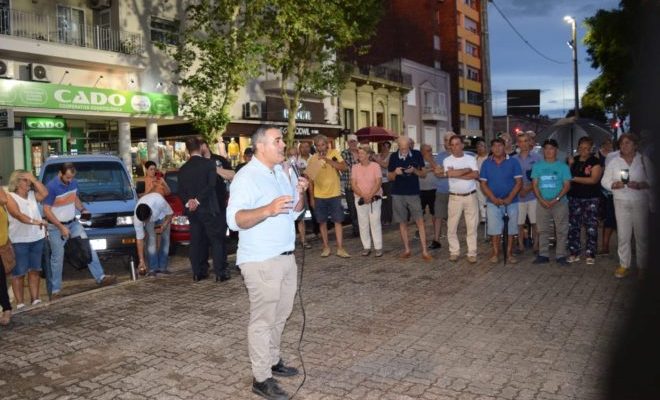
x=26, y=232
x=153, y=180
x=629, y=175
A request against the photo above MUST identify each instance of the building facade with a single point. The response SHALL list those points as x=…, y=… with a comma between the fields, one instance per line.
x=445, y=35
x=374, y=96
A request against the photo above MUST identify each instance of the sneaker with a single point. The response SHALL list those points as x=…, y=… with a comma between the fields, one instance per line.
x=621, y=272
x=20, y=306
x=108, y=280
x=55, y=296
x=591, y=261
x=379, y=253
x=435, y=245
x=365, y=252
x=269, y=389
x=472, y=259
x=342, y=253
x=325, y=252
x=571, y=259
x=164, y=272
x=562, y=261
x=152, y=274
x=453, y=257
x=36, y=301
x=541, y=260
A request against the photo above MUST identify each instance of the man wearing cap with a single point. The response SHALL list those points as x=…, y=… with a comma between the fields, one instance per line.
x=551, y=180
x=350, y=158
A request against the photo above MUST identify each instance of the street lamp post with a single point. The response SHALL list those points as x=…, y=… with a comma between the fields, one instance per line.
x=573, y=45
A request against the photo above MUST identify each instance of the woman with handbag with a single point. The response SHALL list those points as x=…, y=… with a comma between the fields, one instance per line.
x=367, y=186
x=4, y=268
x=27, y=232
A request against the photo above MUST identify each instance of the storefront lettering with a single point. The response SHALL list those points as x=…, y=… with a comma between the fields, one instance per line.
x=45, y=124
x=301, y=115
x=91, y=98
x=302, y=131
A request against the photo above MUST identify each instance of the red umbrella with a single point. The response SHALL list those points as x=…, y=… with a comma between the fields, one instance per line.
x=375, y=134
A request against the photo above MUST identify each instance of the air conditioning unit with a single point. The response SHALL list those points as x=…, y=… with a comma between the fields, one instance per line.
x=252, y=109
x=100, y=4
x=38, y=72
x=6, y=69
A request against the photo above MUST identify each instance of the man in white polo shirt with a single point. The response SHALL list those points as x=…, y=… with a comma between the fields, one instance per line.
x=154, y=215
x=462, y=171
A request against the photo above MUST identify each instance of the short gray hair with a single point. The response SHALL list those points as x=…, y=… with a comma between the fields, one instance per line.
x=320, y=138
x=259, y=135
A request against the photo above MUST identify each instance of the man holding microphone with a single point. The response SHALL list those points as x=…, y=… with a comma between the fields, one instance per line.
x=264, y=204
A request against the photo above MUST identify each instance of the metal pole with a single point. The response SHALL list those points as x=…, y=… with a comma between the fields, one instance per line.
x=575, y=70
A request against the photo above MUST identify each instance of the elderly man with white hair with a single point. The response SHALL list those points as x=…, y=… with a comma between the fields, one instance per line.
x=404, y=169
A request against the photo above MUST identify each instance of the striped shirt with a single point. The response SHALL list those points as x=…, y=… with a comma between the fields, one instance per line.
x=62, y=198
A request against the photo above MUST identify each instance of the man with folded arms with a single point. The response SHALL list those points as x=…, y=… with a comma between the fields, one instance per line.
x=462, y=171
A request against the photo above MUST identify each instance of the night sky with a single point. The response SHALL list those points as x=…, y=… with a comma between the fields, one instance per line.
x=515, y=66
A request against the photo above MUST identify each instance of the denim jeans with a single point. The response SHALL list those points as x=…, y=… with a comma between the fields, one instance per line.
x=156, y=255
x=57, y=255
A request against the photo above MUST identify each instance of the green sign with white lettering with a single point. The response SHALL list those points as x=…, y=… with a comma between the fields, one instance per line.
x=15, y=93
x=42, y=123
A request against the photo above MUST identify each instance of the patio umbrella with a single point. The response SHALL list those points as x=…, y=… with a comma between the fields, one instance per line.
x=568, y=131
x=375, y=134
x=505, y=233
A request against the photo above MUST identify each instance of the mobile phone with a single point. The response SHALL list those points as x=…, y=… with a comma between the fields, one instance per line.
x=625, y=176
x=86, y=216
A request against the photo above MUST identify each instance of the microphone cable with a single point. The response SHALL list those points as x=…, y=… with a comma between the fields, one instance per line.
x=294, y=167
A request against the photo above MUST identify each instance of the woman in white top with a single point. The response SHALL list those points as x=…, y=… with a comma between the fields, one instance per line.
x=629, y=175
x=27, y=231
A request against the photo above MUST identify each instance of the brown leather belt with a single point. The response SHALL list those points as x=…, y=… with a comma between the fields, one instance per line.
x=463, y=194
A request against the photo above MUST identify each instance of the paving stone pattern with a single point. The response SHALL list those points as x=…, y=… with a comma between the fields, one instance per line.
x=377, y=328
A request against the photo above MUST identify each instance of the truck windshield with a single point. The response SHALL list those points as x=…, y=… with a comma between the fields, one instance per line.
x=97, y=180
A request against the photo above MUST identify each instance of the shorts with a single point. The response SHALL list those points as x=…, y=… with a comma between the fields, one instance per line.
x=428, y=200
x=527, y=209
x=328, y=208
x=28, y=257
x=494, y=215
x=402, y=204
x=442, y=205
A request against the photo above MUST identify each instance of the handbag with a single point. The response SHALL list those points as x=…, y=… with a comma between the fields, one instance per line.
x=8, y=257
x=78, y=252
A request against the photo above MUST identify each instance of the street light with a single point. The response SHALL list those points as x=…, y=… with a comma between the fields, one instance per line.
x=573, y=45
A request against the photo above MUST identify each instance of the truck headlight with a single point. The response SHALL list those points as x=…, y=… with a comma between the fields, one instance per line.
x=125, y=220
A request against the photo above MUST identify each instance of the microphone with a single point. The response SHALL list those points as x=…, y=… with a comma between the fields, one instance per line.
x=294, y=166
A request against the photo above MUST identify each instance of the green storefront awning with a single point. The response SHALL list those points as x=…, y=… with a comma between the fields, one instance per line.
x=15, y=93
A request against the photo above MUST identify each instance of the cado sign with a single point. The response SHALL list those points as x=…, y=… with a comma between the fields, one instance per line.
x=89, y=98
x=45, y=123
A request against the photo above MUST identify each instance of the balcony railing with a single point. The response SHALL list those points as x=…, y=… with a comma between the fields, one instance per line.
x=387, y=73
x=60, y=30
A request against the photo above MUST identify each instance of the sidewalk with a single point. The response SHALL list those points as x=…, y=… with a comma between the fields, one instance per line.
x=377, y=328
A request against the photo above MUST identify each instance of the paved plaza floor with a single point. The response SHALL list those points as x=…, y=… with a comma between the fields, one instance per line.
x=377, y=328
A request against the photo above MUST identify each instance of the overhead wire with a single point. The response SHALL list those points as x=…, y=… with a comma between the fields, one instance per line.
x=523, y=38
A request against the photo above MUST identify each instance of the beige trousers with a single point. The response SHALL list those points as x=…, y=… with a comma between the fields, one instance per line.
x=467, y=205
x=271, y=286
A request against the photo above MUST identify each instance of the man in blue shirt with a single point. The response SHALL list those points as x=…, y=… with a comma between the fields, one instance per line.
x=551, y=181
x=404, y=169
x=501, y=180
x=264, y=204
x=526, y=198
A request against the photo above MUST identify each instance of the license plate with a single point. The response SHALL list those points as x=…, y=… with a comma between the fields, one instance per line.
x=98, y=244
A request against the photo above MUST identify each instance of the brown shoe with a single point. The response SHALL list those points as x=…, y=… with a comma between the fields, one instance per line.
x=108, y=280
x=427, y=257
x=472, y=259
x=404, y=255
x=55, y=296
x=453, y=257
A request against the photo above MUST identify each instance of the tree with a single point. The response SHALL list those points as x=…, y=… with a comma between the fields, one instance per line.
x=304, y=40
x=621, y=43
x=219, y=49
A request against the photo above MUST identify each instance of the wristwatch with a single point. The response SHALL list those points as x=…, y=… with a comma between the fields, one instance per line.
x=558, y=198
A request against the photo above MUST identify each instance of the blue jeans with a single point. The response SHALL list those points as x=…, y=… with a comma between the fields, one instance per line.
x=157, y=256
x=57, y=255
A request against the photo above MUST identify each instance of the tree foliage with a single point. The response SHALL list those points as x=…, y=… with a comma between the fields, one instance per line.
x=304, y=40
x=219, y=49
